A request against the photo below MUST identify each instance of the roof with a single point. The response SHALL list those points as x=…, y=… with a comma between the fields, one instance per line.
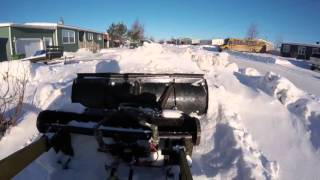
x=45, y=25
x=303, y=44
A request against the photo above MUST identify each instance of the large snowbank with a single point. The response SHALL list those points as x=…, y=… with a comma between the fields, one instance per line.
x=257, y=126
x=297, y=101
x=227, y=150
x=297, y=71
x=266, y=119
x=17, y=69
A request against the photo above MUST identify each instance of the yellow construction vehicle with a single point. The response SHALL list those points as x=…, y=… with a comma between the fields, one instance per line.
x=244, y=45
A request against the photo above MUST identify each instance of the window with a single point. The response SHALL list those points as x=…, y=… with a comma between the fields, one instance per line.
x=90, y=36
x=68, y=36
x=301, y=50
x=99, y=37
x=315, y=51
x=286, y=48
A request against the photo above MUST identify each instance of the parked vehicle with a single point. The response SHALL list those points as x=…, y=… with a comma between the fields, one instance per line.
x=315, y=61
x=133, y=45
x=244, y=45
x=51, y=52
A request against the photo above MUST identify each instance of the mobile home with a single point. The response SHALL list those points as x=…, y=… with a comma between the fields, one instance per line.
x=25, y=39
x=299, y=50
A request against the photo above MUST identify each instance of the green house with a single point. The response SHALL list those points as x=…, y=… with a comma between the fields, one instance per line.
x=25, y=39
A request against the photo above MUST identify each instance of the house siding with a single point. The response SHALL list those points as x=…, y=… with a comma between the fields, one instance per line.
x=5, y=53
x=19, y=32
x=95, y=39
x=68, y=47
x=100, y=42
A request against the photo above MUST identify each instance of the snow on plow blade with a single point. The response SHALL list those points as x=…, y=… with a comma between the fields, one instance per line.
x=185, y=92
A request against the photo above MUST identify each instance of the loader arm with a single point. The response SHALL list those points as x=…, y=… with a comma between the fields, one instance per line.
x=16, y=162
x=13, y=164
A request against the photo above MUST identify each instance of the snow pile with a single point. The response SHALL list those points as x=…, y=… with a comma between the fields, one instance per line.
x=46, y=95
x=280, y=87
x=233, y=67
x=205, y=60
x=269, y=59
x=16, y=69
x=296, y=71
x=227, y=150
x=235, y=155
x=286, y=134
x=155, y=58
x=266, y=119
x=80, y=53
x=20, y=135
x=266, y=58
x=296, y=101
x=249, y=71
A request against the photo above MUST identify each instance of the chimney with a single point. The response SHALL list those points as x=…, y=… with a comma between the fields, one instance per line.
x=61, y=21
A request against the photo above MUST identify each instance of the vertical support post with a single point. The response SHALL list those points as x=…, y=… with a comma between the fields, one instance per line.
x=185, y=173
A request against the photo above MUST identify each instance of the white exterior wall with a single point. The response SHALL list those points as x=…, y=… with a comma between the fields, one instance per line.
x=217, y=42
x=195, y=41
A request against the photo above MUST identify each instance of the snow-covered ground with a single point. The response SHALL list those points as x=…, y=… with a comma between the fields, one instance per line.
x=259, y=124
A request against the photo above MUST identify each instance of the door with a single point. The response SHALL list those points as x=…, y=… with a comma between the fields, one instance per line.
x=28, y=46
x=302, y=52
x=81, y=36
x=47, y=41
x=3, y=49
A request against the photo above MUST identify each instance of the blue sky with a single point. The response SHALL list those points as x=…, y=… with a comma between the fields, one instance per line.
x=289, y=20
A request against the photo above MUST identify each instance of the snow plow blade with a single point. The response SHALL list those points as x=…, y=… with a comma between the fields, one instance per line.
x=185, y=92
x=143, y=120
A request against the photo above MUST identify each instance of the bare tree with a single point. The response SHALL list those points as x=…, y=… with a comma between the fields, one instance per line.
x=252, y=32
x=152, y=39
x=278, y=41
x=117, y=33
x=136, y=32
x=11, y=100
